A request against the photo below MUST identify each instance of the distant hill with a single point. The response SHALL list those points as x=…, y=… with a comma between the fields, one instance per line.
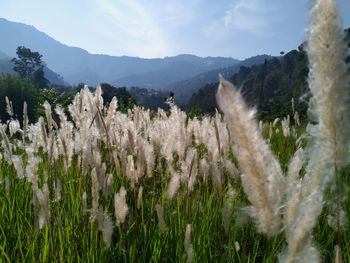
x=269, y=86
x=178, y=68
x=184, y=89
x=76, y=65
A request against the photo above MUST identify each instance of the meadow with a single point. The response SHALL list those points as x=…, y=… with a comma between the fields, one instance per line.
x=92, y=184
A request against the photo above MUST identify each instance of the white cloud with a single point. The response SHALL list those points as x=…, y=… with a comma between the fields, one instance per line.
x=246, y=15
x=250, y=16
x=133, y=27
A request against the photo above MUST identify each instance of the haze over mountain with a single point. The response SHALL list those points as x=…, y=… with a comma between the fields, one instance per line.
x=184, y=89
x=76, y=65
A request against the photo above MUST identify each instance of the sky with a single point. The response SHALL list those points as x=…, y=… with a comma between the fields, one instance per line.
x=159, y=28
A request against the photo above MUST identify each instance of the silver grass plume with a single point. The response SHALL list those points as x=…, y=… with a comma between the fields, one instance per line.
x=120, y=206
x=9, y=108
x=95, y=187
x=48, y=114
x=84, y=203
x=14, y=127
x=105, y=225
x=6, y=144
x=43, y=202
x=329, y=85
x=173, y=186
x=188, y=244
x=262, y=177
x=328, y=153
x=330, y=103
x=161, y=222
x=107, y=230
x=18, y=165
x=25, y=121
x=139, y=198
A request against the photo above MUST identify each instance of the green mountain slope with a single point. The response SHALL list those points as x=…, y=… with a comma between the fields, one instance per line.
x=269, y=86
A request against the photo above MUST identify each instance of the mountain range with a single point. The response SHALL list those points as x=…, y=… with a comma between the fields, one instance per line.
x=76, y=65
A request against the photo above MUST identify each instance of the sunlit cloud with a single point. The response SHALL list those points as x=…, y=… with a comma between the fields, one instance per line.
x=133, y=27
x=246, y=16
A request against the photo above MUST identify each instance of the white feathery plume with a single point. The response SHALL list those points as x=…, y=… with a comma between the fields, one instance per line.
x=130, y=171
x=98, y=97
x=58, y=189
x=6, y=145
x=227, y=210
x=150, y=158
x=329, y=85
x=18, y=164
x=187, y=243
x=109, y=185
x=14, y=127
x=139, y=198
x=43, y=137
x=32, y=169
x=271, y=131
x=174, y=185
x=9, y=108
x=237, y=246
x=191, y=160
x=275, y=122
x=25, y=121
x=65, y=138
x=107, y=230
x=329, y=110
x=84, y=202
x=95, y=187
x=120, y=206
x=43, y=198
x=48, y=114
x=263, y=181
x=285, y=126
x=105, y=225
x=161, y=221
x=296, y=119
x=231, y=169
x=261, y=126
x=204, y=169
x=113, y=105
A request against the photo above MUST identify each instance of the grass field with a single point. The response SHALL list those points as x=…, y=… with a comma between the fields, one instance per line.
x=56, y=213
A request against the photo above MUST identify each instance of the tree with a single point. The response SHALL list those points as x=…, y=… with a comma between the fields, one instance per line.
x=125, y=100
x=18, y=91
x=29, y=65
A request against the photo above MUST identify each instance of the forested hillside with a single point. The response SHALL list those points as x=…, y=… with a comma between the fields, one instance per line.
x=269, y=86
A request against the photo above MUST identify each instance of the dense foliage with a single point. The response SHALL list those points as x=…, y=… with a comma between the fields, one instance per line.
x=125, y=100
x=18, y=91
x=150, y=99
x=29, y=66
x=269, y=86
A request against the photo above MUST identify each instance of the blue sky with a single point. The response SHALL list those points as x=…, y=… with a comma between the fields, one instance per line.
x=158, y=28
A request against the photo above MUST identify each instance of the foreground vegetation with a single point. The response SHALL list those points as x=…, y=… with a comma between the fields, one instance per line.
x=57, y=191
